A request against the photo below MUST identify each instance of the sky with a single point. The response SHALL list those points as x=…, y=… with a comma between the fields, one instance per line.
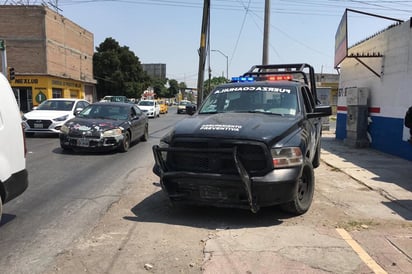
x=168, y=31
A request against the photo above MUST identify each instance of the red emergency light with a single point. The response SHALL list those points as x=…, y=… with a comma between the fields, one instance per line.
x=279, y=78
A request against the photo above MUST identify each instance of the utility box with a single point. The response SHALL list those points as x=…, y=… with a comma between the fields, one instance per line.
x=357, y=117
x=357, y=96
x=324, y=94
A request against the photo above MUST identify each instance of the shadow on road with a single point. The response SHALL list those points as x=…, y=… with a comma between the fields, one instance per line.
x=401, y=207
x=156, y=208
x=6, y=218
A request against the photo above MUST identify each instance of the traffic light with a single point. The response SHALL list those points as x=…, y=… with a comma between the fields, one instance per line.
x=11, y=74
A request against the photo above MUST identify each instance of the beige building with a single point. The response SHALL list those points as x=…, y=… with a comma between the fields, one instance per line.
x=52, y=56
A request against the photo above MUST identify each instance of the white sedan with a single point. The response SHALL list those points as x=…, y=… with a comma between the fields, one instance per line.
x=150, y=107
x=51, y=114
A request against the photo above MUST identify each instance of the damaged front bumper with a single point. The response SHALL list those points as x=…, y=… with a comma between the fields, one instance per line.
x=238, y=190
x=102, y=143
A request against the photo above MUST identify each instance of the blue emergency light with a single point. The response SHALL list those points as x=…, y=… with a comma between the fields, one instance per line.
x=243, y=79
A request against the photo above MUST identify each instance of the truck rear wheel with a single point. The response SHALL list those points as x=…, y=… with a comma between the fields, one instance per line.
x=304, y=196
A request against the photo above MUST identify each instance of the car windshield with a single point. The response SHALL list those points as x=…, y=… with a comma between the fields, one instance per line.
x=102, y=111
x=60, y=105
x=183, y=103
x=281, y=100
x=146, y=103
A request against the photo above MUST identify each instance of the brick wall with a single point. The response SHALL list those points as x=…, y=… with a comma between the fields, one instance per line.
x=41, y=41
x=23, y=30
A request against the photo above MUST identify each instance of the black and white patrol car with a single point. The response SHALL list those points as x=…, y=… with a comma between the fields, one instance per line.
x=254, y=142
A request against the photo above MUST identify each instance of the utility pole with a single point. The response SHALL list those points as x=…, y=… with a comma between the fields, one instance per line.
x=265, y=55
x=202, y=50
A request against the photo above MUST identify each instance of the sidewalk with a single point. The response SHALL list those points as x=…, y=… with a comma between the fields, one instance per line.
x=389, y=175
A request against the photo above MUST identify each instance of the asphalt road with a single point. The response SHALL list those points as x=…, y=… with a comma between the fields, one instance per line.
x=67, y=194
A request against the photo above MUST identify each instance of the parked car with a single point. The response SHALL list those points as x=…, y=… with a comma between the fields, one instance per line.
x=51, y=114
x=164, y=108
x=181, y=107
x=105, y=126
x=150, y=107
x=115, y=98
x=13, y=172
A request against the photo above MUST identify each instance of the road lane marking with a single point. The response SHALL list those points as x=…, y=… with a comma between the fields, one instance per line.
x=361, y=252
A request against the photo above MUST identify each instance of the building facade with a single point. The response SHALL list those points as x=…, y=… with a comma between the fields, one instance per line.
x=52, y=56
x=380, y=70
x=155, y=70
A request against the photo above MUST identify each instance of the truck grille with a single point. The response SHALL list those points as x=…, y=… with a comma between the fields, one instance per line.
x=213, y=157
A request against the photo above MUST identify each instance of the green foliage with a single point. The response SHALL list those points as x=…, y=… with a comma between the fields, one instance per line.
x=159, y=87
x=173, y=88
x=211, y=84
x=118, y=71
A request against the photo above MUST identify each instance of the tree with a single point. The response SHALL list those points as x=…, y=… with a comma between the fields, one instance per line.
x=159, y=87
x=210, y=85
x=118, y=71
x=173, y=88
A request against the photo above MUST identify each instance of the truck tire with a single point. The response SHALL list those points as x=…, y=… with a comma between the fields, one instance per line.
x=304, y=192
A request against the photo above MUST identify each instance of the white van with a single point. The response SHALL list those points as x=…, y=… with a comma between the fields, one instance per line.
x=13, y=172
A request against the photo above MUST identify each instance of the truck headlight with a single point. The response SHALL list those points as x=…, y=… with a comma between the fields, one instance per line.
x=286, y=157
x=163, y=144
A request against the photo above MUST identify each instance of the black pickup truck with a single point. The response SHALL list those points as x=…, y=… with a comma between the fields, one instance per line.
x=254, y=142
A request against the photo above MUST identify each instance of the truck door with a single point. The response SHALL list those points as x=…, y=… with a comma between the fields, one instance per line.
x=314, y=124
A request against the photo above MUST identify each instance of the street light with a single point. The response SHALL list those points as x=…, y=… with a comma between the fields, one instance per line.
x=227, y=62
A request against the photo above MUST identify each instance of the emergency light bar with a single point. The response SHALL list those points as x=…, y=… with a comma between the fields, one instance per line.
x=243, y=79
x=280, y=78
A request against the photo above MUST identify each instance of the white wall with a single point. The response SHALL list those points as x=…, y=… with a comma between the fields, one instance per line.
x=392, y=92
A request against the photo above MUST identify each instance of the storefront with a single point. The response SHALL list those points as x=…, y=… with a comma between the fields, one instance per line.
x=31, y=90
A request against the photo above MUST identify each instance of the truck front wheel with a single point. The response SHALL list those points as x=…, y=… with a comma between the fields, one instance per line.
x=305, y=189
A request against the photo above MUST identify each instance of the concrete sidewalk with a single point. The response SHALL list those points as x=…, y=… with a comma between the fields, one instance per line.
x=389, y=175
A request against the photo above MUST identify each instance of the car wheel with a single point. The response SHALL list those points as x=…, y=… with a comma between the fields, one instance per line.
x=145, y=135
x=305, y=189
x=125, y=145
x=316, y=158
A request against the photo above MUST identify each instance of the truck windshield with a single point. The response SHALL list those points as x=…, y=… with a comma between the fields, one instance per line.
x=271, y=100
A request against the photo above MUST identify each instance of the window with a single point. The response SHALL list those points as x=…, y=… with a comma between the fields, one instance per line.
x=308, y=100
x=57, y=93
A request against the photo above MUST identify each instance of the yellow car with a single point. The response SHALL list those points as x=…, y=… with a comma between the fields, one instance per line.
x=163, y=106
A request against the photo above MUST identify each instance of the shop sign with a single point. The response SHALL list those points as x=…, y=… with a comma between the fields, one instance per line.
x=40, y=97
x=26, y=81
